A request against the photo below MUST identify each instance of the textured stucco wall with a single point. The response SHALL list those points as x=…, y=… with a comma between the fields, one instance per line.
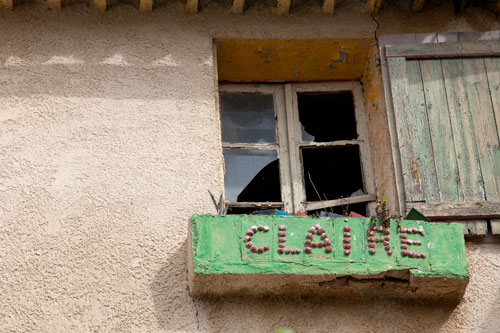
x=109, y=141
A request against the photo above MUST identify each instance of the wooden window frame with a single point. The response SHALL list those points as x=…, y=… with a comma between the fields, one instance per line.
x=289, y=143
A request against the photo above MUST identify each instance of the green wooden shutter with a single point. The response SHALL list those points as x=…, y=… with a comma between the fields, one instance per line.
x=446, y=112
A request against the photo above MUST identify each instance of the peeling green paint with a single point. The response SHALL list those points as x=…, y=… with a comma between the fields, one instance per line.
x=218, y=248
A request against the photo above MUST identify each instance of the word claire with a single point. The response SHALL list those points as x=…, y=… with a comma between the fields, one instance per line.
x=316, y=231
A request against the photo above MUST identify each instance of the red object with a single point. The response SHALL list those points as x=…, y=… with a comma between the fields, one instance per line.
x=307, y=250
x=301, y=214
x=328, y=249
x=372, y=250
x=353, y=214
x=347, y=246
x=347, y=252
x=347, y=228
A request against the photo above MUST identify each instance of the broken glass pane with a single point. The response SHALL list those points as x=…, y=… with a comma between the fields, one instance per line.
x=335, y=172
x=327, y=116
x=252, y=175
x=247, y=118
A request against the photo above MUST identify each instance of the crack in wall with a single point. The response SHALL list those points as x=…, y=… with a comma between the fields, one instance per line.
x=376, y=29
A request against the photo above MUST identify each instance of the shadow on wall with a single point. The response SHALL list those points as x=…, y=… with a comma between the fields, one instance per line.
x=175, y=309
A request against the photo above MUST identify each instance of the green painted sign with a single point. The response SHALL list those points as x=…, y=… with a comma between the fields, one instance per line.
x=242, y=244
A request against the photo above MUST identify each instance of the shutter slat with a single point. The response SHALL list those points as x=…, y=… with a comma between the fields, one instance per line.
x=412, y=130
x=463, y=131
x=479, y=99
x=441, y=131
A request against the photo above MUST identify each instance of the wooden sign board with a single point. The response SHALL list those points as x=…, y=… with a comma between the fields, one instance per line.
x=241, y=255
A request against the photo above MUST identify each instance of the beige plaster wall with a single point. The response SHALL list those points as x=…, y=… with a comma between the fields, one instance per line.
x=109, y=142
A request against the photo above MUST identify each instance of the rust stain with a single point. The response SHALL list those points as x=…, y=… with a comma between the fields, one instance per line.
x=415, y=172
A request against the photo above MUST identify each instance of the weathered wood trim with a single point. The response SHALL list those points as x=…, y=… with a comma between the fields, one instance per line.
x=473, y=228
x=283, y=149
x=53, y=4
x=445, y=50
x=7, y=4
x=339, y=202
x=391, y=119
x=101, y=5
x=458, y=211
x=495, y=226
x=145, y=6
x=328, y=7
x=254, y=204
x=417, y=5
x=364, y=147
x=256, y=146
x=191, y=6
x=238, y=7
x=291, y=106
x=373, y=6
x=282, y=7
x=332, y=143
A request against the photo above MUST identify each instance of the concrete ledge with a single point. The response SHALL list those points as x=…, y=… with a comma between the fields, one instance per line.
x=221, y=264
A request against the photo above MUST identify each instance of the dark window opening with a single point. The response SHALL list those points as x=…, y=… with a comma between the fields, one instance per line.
x=334, y=171
x=327, y=116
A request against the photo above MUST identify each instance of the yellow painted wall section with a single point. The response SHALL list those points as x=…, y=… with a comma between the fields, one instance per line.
x=292, y=60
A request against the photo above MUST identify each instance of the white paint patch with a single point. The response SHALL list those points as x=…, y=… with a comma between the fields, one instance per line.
x=116, y=60
x=59, y=60
x=16, y=61
x=166, y=61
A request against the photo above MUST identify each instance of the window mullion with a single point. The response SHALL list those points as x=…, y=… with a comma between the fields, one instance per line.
x=292, y=114
x=283, y=151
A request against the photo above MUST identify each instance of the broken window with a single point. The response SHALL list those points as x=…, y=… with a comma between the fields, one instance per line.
x=296, y=147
